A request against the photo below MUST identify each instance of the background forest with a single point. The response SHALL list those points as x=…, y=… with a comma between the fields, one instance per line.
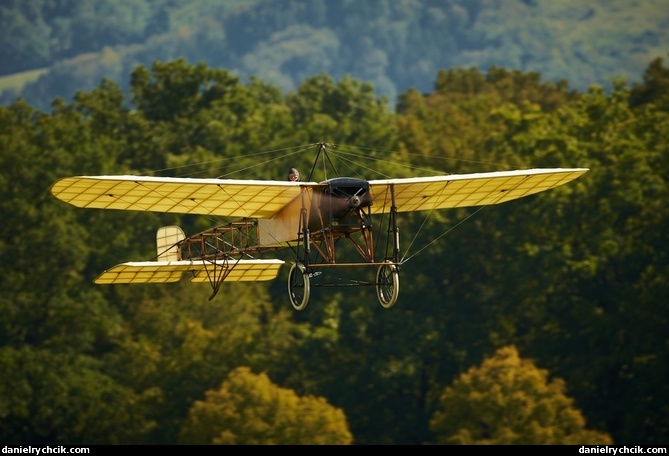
x=542, y=320
x=56, y=47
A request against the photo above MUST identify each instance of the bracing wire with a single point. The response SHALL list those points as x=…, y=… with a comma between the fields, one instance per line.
x=295, y=150
x=403, y=260
x=346, y=155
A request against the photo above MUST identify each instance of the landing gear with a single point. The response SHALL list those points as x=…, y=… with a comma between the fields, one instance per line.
x=298, y=286
x=387, y=284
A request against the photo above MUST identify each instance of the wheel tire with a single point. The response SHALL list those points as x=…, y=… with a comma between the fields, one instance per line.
x=387, y=284
x=298, y=286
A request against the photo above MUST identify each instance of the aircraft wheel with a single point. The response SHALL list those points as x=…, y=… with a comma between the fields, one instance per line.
x=298, y=286
x=387, y=284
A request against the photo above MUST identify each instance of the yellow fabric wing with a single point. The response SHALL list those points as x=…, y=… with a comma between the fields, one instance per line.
x=200, y=271
x=462, y=190
x=217, y=197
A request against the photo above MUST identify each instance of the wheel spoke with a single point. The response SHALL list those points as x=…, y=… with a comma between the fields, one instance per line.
x=298, y=286
x=387, y=284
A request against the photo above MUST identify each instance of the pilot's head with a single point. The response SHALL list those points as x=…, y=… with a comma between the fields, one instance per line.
x=293, y=175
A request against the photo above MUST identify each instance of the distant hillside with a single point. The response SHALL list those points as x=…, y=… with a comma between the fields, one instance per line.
x=16, y=81
x=393, y=44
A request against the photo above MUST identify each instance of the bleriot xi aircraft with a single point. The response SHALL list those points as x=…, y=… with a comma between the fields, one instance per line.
x=310, y=218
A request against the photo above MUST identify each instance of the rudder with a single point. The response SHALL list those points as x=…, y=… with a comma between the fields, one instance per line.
x=166, y=239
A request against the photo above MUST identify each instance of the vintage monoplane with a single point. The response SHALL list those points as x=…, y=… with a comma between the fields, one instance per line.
x=308, y=217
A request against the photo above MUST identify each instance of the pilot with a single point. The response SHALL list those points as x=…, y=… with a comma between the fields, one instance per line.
x=293, y=175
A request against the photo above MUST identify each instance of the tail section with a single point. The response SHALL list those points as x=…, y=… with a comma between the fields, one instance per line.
x=166, y=240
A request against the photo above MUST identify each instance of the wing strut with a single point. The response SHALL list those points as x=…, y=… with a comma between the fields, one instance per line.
x=321, y=148
x=306, y=241
x=218, y=274
x=393, y=230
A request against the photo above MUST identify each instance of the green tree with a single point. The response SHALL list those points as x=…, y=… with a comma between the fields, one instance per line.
x=153, y=347
x=175, y=89
x=178, y=344
x=345, y=112
x=508, y=400
x=596, y=318
x=48, y=398
x=451, y=127
x=655, y=86
x=249, y=409
x=384, y=364
x=575, y=277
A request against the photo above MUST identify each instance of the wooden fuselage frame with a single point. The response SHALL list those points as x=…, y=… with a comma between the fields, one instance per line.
x=318, y=218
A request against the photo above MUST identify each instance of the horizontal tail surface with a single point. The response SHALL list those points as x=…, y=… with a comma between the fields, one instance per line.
x=199, y=271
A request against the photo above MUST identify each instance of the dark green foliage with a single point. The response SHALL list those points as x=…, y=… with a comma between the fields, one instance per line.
x=576, y=278
x=655, y=86
x=50, y=398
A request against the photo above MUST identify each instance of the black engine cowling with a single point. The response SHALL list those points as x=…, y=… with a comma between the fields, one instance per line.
x=339, y=203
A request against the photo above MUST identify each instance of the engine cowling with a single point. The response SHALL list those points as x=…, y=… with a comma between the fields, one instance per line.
x=339, y=202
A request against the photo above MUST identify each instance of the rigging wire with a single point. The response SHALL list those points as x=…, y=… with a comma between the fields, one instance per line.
x=260, y=164
x=297, y=150
x=458, y=224
x=403, y=260
x=367, y=157
x=345, y=155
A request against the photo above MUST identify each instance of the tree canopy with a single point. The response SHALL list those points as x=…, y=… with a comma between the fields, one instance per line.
x=508, y=401
x=574, y=278
x=249, y=409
